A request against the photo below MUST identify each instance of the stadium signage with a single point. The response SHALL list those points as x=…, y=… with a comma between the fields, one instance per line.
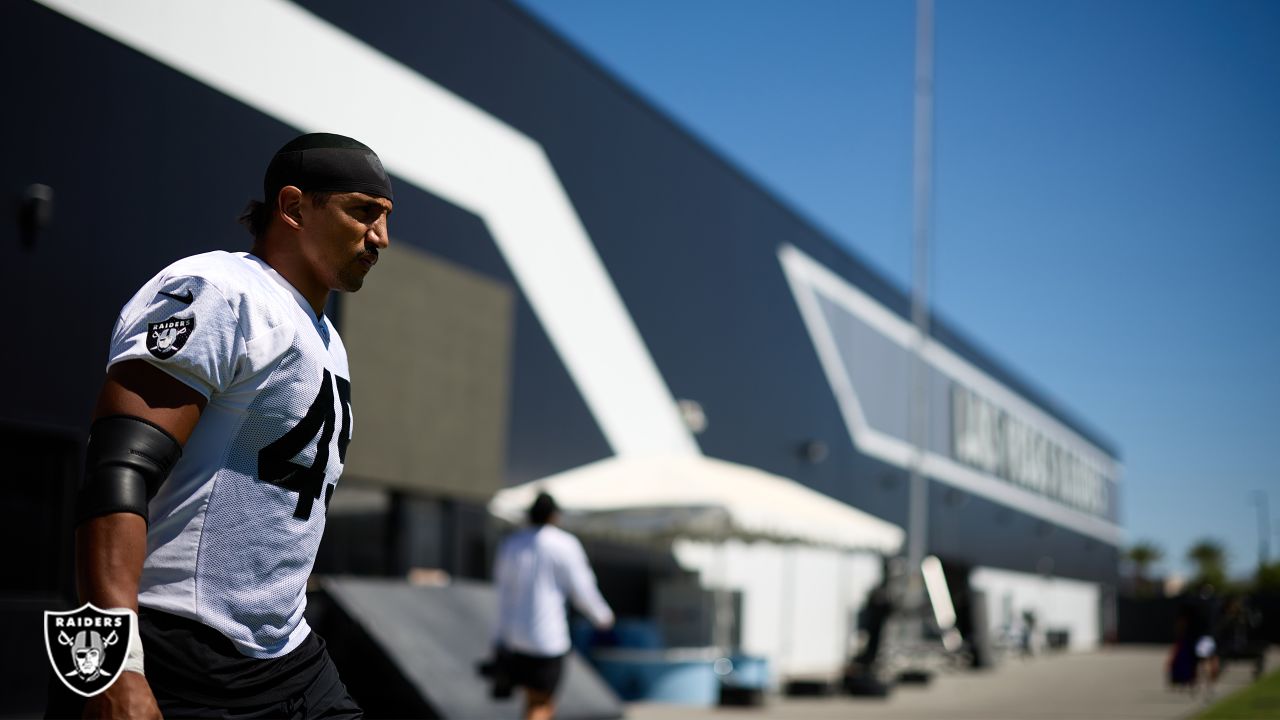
x=988, y=438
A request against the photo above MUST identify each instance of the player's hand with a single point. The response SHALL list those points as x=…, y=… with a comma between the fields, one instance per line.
x=129, y=697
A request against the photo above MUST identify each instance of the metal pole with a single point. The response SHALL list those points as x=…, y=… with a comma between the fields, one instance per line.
x=1263, y=501
x=721, y=630
x=918, y=498
x=785, y=604
x=842, y=605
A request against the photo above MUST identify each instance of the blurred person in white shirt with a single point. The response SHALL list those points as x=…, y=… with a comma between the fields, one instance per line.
x=537, y=569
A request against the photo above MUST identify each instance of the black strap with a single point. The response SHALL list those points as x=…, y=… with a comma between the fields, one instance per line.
x=127, y=460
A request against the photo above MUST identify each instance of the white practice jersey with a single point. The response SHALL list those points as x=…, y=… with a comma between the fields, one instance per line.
x=235, y=528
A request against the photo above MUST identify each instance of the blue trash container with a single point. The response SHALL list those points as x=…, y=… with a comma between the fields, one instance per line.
x=683, y=676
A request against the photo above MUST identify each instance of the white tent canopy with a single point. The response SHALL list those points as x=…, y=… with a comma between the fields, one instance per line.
x=647, y=498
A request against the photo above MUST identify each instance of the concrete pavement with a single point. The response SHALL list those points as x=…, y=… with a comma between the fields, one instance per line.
x=1117, y=683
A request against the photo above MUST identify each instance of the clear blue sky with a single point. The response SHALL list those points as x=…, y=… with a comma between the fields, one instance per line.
x=1107, y=207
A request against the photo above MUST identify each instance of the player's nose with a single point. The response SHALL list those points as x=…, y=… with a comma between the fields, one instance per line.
x=377, y=236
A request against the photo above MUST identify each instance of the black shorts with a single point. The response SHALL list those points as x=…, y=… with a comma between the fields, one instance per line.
x=196, y=672
x=535, y=672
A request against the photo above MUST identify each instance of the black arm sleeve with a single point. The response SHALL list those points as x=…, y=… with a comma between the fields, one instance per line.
x=127, y=460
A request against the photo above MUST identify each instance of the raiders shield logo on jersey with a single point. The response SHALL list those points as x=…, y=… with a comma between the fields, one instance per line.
x=166, y=338
x=87, y=646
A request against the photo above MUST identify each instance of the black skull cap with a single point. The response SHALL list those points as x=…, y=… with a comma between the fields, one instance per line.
x=325, y=162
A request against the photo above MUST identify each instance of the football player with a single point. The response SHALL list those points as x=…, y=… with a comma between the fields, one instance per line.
x=217, y=440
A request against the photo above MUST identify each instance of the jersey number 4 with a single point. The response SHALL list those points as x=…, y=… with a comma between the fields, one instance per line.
x=275, y=461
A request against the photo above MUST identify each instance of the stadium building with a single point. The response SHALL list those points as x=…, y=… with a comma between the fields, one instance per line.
x=573, y=277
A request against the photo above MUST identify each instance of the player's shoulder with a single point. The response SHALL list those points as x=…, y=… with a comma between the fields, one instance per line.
x=231, y=273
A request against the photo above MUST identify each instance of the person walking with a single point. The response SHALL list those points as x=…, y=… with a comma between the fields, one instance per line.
x=538, y=568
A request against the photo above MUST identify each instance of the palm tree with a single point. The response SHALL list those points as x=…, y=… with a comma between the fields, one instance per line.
x=1143, y=555
x=1268, y=578
x=1210, y=559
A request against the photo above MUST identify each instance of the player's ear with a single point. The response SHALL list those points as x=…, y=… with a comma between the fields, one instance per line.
x=289, y=202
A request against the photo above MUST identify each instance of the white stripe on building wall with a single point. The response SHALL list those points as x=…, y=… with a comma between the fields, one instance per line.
x=807, y=278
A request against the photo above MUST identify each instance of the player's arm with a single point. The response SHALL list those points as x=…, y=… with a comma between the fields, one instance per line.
x=143, y=417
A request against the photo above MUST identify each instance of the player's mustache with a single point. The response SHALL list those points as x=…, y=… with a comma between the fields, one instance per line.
x=369, y=252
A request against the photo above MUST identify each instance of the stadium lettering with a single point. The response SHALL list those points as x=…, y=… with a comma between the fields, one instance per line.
x=986, y=437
